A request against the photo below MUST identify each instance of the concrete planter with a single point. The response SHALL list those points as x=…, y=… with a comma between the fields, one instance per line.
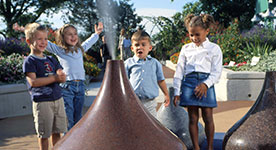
x=239, y=85
x=236, y=85
x=14, y=100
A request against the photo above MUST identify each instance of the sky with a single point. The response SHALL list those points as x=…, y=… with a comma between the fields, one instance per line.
x=143, y=8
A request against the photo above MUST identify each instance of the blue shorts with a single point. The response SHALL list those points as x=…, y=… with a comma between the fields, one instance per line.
x=187, y=96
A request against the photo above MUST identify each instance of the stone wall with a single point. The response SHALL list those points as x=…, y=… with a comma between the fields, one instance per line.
x=14, y=100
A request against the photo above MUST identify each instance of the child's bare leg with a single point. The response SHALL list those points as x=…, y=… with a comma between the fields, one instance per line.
x=55, y=138
x=43, y=143
x=193, y=127
x=207, y=115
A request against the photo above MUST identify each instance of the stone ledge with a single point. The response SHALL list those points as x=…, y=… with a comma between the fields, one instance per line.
x=170, y=65
x=239, y=85
x=12, y=88
x=15, y=100
x=229, y=74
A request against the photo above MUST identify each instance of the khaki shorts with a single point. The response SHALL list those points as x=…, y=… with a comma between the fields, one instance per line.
x=150, y=105
x=49, y=117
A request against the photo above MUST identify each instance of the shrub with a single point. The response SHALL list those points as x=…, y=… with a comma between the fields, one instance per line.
x=12, y=45
x=174, y=57
x=230, y=42
x=260, y=35
x=91, y=69
x=11, y=68
x=255, y=50
x=266, y=63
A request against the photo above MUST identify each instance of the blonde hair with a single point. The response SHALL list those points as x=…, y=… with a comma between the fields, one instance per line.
x=32, y=28
x=204, y=20
x=61, y=42
x=140, y=35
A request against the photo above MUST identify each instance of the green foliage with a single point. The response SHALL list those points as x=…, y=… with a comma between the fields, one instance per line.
x=19, y=11
x=230, y=42
x=174, y=57
x=260, y=35
x=266, y=63
x=90, y=66
x=91, y=69
x=11, y=67
x=172, y=33
x=87, y=13
x=256, y=50
x=225, y=11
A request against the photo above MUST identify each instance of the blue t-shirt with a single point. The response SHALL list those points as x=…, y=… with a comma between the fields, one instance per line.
x=144, y=76
x=43, y=67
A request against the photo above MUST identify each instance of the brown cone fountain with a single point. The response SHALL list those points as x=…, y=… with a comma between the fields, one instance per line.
x=117, y=120
x=257, y=129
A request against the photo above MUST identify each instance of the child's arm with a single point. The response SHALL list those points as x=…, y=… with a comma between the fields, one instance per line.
x=101, y=51
x=163, y=86
x=53, y=48
x=37, y=82
x=88, y=43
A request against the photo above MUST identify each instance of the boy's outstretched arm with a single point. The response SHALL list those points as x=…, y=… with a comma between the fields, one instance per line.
x=163, y=86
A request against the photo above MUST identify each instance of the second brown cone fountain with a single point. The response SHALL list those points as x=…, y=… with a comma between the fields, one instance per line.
x=117, y=120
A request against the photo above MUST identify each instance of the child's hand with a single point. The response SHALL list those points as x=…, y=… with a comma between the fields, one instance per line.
x=60, y=72
x=167, y=100
x=175, y=100
x=99, y=28
x=60, y=76
x=16, y=27
x=201, y=90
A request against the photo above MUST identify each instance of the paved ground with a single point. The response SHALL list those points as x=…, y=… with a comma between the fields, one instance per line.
x=17, y=133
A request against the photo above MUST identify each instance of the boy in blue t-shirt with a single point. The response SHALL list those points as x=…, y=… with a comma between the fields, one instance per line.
x=43, y=74
x=145, y=73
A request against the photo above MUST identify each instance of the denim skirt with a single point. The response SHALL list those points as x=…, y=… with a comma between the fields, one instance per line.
x=188, y=97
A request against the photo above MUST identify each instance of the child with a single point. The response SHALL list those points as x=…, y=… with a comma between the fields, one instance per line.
x=69, y=52
x=145, y=73
x=43, y=75
x=104, y=51
x=198, y=69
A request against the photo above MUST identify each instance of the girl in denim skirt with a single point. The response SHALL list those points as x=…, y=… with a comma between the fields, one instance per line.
x=198, y=68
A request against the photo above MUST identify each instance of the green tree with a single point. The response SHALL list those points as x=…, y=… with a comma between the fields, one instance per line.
x=88, y=12
x=172, y=31
x=20, y=11
x=225, y=11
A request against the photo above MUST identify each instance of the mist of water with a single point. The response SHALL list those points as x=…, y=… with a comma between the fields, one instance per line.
x=108, y=13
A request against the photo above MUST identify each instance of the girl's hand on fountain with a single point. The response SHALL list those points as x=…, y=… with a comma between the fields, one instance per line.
x=99, y=28
x=175, y=100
